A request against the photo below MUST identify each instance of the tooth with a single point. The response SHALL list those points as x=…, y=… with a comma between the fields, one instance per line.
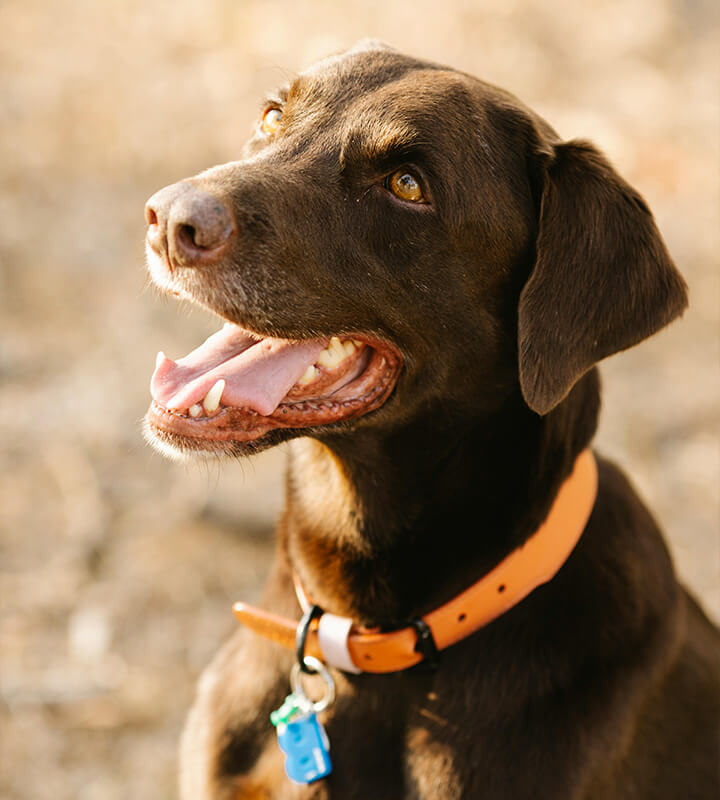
x=349, y=347
x=324, y=359
x=309, y=375
x=195, y=410
x=334, y=353
x=330, y=358
x=357, y=343
x=159, y=358
x=212, y=398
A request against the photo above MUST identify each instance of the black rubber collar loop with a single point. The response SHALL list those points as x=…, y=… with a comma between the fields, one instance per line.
x=425, y=644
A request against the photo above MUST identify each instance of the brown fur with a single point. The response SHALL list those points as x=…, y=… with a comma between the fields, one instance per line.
x=533, y=260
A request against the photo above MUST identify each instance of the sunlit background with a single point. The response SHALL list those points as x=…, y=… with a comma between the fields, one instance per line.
x=118, y=568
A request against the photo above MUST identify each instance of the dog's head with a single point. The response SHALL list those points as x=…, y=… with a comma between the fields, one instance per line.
x=402, y=239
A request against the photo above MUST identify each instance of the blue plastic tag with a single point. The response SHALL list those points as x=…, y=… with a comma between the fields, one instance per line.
x=303, y=740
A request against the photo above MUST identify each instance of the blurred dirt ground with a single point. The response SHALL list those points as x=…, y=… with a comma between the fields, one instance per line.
x=117, y=568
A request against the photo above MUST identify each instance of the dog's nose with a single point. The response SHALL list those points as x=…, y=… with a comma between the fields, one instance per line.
x=192, y=226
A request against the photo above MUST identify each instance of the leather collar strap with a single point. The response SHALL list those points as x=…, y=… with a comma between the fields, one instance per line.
x=340, y=643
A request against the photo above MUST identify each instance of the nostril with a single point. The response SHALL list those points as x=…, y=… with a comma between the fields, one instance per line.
x=200, y=227
x=187, y=236
x=155, y=236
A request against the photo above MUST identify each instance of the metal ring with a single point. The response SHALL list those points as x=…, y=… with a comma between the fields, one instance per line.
x=298, y=689
x=301, y=636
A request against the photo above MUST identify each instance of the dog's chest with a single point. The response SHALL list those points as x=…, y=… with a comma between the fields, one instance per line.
x=366, y=765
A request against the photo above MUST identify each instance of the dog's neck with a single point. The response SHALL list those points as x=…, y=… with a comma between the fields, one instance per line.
x=378, y=533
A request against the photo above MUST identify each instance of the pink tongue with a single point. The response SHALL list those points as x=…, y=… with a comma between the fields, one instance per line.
x=257, y=373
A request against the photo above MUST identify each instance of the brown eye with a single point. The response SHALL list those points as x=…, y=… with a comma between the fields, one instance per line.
x=406, y=186
x=271, y=121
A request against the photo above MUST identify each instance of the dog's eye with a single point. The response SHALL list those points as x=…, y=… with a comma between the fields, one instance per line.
x=271, y=120
x=406, y=186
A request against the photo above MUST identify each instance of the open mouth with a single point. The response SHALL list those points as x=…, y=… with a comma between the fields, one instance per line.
x=237, y=386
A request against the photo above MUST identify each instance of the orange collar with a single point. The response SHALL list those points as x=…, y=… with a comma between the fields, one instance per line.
x=338, y=642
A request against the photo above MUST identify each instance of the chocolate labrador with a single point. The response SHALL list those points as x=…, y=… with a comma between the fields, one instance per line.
x=417, y=278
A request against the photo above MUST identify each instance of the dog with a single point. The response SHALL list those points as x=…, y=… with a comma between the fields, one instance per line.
x=417, y=278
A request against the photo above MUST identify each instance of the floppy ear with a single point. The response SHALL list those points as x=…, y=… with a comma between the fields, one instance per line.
x=602, y=281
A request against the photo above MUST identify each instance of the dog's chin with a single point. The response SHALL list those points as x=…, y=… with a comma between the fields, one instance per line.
x=179, y=445
x=181, y=448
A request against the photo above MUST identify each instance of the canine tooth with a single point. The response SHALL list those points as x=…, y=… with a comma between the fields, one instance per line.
x=195, y=410
x=309, y=375
x=212, y=398
x=159, y=358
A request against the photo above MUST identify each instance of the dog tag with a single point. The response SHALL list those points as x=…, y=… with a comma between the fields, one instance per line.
x=301, y=736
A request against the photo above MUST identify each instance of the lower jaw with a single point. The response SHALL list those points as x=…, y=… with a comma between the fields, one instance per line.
x=231, y=429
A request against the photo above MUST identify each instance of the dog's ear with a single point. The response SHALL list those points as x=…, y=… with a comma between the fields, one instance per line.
x=602, y=281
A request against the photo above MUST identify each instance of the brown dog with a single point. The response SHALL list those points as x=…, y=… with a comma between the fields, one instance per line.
x=419, y=277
